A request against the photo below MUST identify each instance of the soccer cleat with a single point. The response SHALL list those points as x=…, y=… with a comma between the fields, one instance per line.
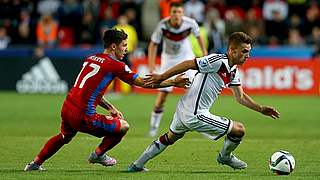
x=134, y=168
x=231, y=161
x=32, y=166
x=103, y=160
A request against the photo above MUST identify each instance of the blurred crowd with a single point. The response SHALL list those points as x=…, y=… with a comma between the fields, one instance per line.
x=66, y=23
x=270, y=22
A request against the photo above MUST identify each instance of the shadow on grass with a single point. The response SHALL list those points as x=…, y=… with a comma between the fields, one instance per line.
x=54, y=171
x=182, y=172
x=85, y=171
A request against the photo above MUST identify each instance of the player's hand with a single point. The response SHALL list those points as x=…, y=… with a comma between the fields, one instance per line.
x=270, y=111
x=115, y=113
x=181, y=81
x=153, y=79
x=152, y=71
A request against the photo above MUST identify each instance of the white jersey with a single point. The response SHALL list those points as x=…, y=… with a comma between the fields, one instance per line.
x=214, y=75
x=176, y=46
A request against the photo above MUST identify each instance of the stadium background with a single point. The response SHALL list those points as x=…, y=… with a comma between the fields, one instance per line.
x=283, y=60
x=37, y=71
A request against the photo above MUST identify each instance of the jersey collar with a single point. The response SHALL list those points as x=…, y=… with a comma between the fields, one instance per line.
x=226, y=62
x=112, y=57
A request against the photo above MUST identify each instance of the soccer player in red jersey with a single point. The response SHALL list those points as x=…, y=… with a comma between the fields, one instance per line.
x=79, y=114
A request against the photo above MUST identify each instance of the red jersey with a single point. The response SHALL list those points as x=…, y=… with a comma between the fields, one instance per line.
x=96, y=74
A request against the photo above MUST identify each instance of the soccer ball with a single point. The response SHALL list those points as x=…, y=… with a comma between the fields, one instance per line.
x=282, y=163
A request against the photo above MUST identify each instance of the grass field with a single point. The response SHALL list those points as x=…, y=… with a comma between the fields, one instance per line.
x=27, y=121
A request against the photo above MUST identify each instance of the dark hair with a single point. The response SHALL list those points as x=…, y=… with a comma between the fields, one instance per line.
x=238, y=38
x=113, y=36
x=176, y=4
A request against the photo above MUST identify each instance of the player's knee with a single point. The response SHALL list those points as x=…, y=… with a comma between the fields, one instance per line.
x=170, y=138
x=164, y=139
x=238, y=130
x=124, y=126
x=66, y=138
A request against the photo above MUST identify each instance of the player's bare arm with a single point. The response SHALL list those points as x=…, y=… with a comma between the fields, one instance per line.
x=179, y=81
x=152, y=53
x=202, y=46
x=177, y=69
x=109, y=107
x=247, y=101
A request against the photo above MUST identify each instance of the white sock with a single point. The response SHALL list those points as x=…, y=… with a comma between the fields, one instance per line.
x=152, y=151
x=155, y=120
x=229, y=145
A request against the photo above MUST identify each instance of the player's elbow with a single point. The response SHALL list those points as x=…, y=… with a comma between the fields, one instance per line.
x=124, y=126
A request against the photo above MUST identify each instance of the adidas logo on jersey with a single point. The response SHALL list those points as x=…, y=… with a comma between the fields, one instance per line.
x=42, y=78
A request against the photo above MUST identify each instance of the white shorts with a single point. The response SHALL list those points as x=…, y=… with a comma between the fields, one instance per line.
x=207, y=124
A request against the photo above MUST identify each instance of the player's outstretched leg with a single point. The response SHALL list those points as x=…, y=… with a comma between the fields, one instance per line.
x=49, y=149
x=231, y=142
x=152, y=151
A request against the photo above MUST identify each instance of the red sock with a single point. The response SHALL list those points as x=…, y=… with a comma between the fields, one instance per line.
x=49, y=149
x=108, y=143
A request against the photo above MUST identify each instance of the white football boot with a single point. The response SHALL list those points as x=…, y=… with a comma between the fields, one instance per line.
x=103, y=160
x=232, y=161
x=33, y=167
x=134, y=168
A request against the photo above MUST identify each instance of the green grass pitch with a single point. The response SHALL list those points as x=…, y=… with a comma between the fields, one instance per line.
x=27, y=121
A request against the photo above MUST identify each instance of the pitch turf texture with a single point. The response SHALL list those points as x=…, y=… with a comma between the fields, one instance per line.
x=27, y=121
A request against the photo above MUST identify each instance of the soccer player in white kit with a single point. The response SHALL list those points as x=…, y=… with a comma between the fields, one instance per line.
x=215, y=72
x=174, y=32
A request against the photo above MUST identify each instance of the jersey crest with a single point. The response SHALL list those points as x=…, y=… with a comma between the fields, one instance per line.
x=226, y=76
